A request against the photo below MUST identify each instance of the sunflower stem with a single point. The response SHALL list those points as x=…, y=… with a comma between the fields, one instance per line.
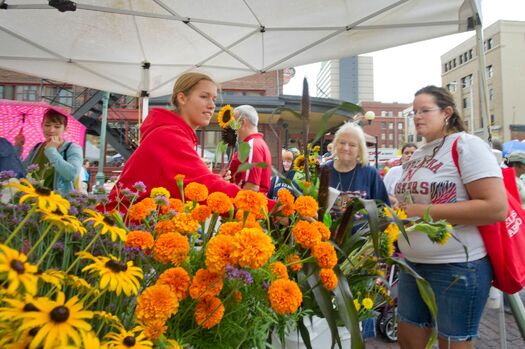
x=20, y=225
x=85, y=249
x=55, y=239
x=95, y=299
x=42, y=236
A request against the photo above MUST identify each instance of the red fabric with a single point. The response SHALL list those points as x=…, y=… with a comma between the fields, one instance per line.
x=505, y=241
x=257, y=176
x=167, y=148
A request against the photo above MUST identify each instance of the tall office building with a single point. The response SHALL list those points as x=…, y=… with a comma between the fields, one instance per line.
x=349, y=79
x=505, y=70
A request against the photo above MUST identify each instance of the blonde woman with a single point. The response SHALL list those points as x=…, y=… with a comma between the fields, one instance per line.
x=350, y=172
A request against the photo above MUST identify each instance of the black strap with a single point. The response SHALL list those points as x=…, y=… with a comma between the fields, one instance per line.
x=66, y=149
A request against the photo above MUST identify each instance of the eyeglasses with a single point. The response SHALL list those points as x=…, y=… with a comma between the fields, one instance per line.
x=422, y=111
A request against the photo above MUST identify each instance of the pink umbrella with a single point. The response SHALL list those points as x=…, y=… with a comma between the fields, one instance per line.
x=16, y=116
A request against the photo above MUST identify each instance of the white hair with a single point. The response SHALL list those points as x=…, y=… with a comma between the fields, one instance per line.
x=354, y=130
x=248, y=112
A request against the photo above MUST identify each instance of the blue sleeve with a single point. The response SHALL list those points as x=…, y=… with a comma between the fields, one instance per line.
x=69, y=169
x=378, y=187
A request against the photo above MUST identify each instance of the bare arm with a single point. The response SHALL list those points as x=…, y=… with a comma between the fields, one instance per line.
x=487, y=205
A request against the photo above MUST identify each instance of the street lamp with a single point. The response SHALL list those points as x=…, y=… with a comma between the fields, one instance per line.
x=370, y=116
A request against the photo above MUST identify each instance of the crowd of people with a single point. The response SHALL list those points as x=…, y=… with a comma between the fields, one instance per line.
x=426, y=180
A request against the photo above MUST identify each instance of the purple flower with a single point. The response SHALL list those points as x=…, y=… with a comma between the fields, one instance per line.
x=233, y=273
x=246, y=277
x=6, y=175
x=32, y=167
x=140, y=187
x=59, y=246
x=161, y=200
x=73, y=211
x=265, y=285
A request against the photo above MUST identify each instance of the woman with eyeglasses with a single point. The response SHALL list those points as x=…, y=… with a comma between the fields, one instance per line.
x=431, y=182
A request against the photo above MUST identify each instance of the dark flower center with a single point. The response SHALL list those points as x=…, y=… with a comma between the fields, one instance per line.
x=34, y=331
x=30, y=307
x=59, y=314
x=108, y=221
x=129, y=341
x=226, y=116
x=42, y=191
x=116, y=266
x=58, y=212
x=17, y=266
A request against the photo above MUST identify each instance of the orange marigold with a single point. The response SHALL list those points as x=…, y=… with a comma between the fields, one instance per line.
x=209, y=312
x=157, y=302
x=230, y=228
x=306, y=234
x=323, y=229
x=324, y=254
x=278, y=270
x=163, y=227
x=179, y=177
x=328, y=278
x=219, y=202
x=251, y=220
x=140, y=239
x=205, y=283
x=306, y=206
x=253, y=248
x=201, y=213
x=252, y=202
x=176, y=205
x=287, y=201
x=149, y=203
x=154, y=329
x=218, y=253
x=285, y=296
x=294, y=261
x=171, y=248
x=178, y=281
x=184, y=223
x=196, y=192
x=139, y=211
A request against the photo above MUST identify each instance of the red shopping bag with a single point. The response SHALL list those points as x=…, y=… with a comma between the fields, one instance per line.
x=505, y=241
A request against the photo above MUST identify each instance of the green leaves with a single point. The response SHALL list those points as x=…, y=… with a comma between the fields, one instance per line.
x=243, y=151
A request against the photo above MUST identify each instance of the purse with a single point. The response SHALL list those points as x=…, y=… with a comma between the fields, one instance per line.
x=505, y=241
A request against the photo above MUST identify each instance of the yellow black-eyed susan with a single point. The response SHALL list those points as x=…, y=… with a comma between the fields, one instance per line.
x=17, y=271
x=115, y=275
x=106, y=224
x=134, y=339
x=65, y=221
x=225, y=116
x=45, y=198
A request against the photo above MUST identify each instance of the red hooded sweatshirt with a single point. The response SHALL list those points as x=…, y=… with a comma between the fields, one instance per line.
x=167, y=148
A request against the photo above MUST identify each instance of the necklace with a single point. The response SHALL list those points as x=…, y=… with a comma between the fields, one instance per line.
x=340, y=185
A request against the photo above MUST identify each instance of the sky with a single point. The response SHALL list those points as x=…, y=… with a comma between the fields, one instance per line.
x=416, y=65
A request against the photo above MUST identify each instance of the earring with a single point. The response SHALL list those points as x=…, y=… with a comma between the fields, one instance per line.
x=446, y=121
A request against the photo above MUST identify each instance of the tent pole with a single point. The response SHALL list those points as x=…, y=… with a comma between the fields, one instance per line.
x=482, y=81
x=100, y=177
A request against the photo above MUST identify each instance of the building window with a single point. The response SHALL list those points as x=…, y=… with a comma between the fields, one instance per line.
x=391, y=114
x=400, y=138
x=470, y=54
x=383, y=136
x=446, y=68
x=399, y=125
x=390, y=125
x=490, y=71
x=465, y=103
x=419, y=138
x=466, y=81
x=58, y=95
x=460, y=59
x=454, y=62
x=492, y=119
x=7, y=92
x=383, y=113
x=390, y=136
x=489, y=44
x=27, y=93
x=383, y=125
x=410, y=138
x=2, y=91
x=452, y=86
x=465, y=57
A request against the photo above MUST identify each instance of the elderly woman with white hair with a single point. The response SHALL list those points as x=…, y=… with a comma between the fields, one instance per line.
x=350, y=172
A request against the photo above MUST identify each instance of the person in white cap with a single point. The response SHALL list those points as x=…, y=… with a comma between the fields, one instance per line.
x=516, y=160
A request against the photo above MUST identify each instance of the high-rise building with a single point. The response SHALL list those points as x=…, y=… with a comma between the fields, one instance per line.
x=504, y=46
x=349, y=79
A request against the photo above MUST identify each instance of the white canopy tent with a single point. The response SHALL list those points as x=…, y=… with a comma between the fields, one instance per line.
x=140, y=47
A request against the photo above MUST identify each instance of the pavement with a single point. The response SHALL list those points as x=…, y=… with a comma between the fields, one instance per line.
x=489, y=332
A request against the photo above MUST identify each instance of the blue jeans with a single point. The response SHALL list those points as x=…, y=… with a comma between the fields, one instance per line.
x=461, y=291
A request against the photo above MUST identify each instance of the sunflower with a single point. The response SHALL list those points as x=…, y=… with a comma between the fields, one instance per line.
x=140, y=239
x=219, y=202
x=58, y=321
x=64, y=221
x=285, y=296
x=298, y=163
x=225, y=116
x=306, y=206
x=252, y=248
x=205, y=283
x=229, y=137
x=45, y=198
x=209, y=312
x=386, y=243
x=115, y=275
x=178, y=281
x=171, y=248
x=328, y=278
x=218, y=253
x=325, y=255
x=124, y=339
x=16, y=270
x=107, y=224
x=157, y=302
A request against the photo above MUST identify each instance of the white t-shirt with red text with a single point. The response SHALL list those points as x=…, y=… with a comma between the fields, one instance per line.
x=437, y=181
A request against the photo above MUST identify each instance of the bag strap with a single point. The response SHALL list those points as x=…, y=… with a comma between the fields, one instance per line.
x=455, y=155
x=66, y=149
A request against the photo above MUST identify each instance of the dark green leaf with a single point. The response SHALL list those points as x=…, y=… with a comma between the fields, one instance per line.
x=246, y=166
x=305, y=334
x=243, y=151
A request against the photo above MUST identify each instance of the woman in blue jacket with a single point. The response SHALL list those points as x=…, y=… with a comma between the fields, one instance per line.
x=59, y=160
